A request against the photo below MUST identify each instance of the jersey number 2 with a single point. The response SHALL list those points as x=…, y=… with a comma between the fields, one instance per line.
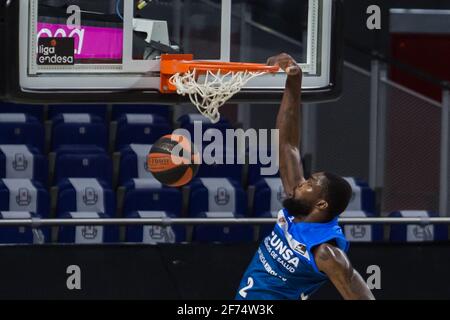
x=243, y=291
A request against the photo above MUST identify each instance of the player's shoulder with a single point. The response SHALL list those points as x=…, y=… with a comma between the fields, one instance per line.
x=330, y=257
x=328, y=250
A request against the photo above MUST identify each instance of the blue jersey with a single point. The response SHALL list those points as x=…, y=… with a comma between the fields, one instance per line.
x=283, y=268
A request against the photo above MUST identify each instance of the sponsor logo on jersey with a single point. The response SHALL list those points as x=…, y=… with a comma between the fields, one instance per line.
x=281, y=253
x=301, y=248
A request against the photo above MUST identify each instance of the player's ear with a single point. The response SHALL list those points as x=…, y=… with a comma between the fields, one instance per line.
x=322, y=205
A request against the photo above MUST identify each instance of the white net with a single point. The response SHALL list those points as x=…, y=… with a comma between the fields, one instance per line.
x=211, y=91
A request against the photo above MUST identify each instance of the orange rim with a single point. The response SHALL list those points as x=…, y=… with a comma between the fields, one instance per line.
x=181, y=63
x=184, y=66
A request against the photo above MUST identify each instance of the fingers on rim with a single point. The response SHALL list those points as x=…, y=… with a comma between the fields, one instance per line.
x=284, y=61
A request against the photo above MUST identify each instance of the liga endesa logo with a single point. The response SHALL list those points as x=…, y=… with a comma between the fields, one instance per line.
x=230, y=147
x=56, y=51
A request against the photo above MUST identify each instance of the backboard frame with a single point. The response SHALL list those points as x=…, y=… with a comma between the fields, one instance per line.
x=24, y=87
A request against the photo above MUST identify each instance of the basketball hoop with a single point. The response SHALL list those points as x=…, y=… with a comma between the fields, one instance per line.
x=208, y=84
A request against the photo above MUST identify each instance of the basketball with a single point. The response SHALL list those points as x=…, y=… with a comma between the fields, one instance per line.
x=173, y=160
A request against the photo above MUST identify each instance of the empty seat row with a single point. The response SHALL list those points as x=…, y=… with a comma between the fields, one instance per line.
x=133, y=164
x=101, y=111
x=79, y=193
x=90, y=129
x=398, y=233
x=86, y=129
x=19, y=195
x=81, y=129
x=25, y=162
x=84, y=161
x=89, y=234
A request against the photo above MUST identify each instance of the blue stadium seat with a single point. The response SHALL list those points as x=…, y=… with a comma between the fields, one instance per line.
x=153, y=199
x=256, y=169
x=36, y=111
x=19, y=128
x=269, y=196
x=97, y=166
x=363, y=198
x=266, y=229
x=140, y=129
x=99, y=110
x=364, y=232
x=24, y=195
x=154, y=234
x=133, y=163
x=233, y=170
x=22, y=235
x=70, y=149
x=85, y=195
x=79, y=129
x=87, y=234
x=134, y=184
x=221, y=233
x=23, y=162
x=267, y=202
x=213, y=142
x=190, y=118
x=75, y=118
x=189, y=124
x=416, y=232
x=254, y=174
x=164, y=111
x=217, y=195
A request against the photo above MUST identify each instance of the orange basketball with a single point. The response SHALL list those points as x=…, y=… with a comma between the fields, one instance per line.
x=173, y=160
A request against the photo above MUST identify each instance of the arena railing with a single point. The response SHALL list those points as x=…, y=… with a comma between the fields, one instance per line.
x=36, y=222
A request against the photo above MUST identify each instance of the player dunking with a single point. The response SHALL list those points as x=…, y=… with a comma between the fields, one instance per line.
x=307, y=246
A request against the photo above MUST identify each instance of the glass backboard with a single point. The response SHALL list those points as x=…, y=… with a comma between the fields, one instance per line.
x=79, y=49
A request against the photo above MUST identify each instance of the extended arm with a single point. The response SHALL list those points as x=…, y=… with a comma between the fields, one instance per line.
x=336, y=265
x=288, y=123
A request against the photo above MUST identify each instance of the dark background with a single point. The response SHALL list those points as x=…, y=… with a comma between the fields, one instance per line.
x=2, y=49
x=200, y=272
x=356, y=32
